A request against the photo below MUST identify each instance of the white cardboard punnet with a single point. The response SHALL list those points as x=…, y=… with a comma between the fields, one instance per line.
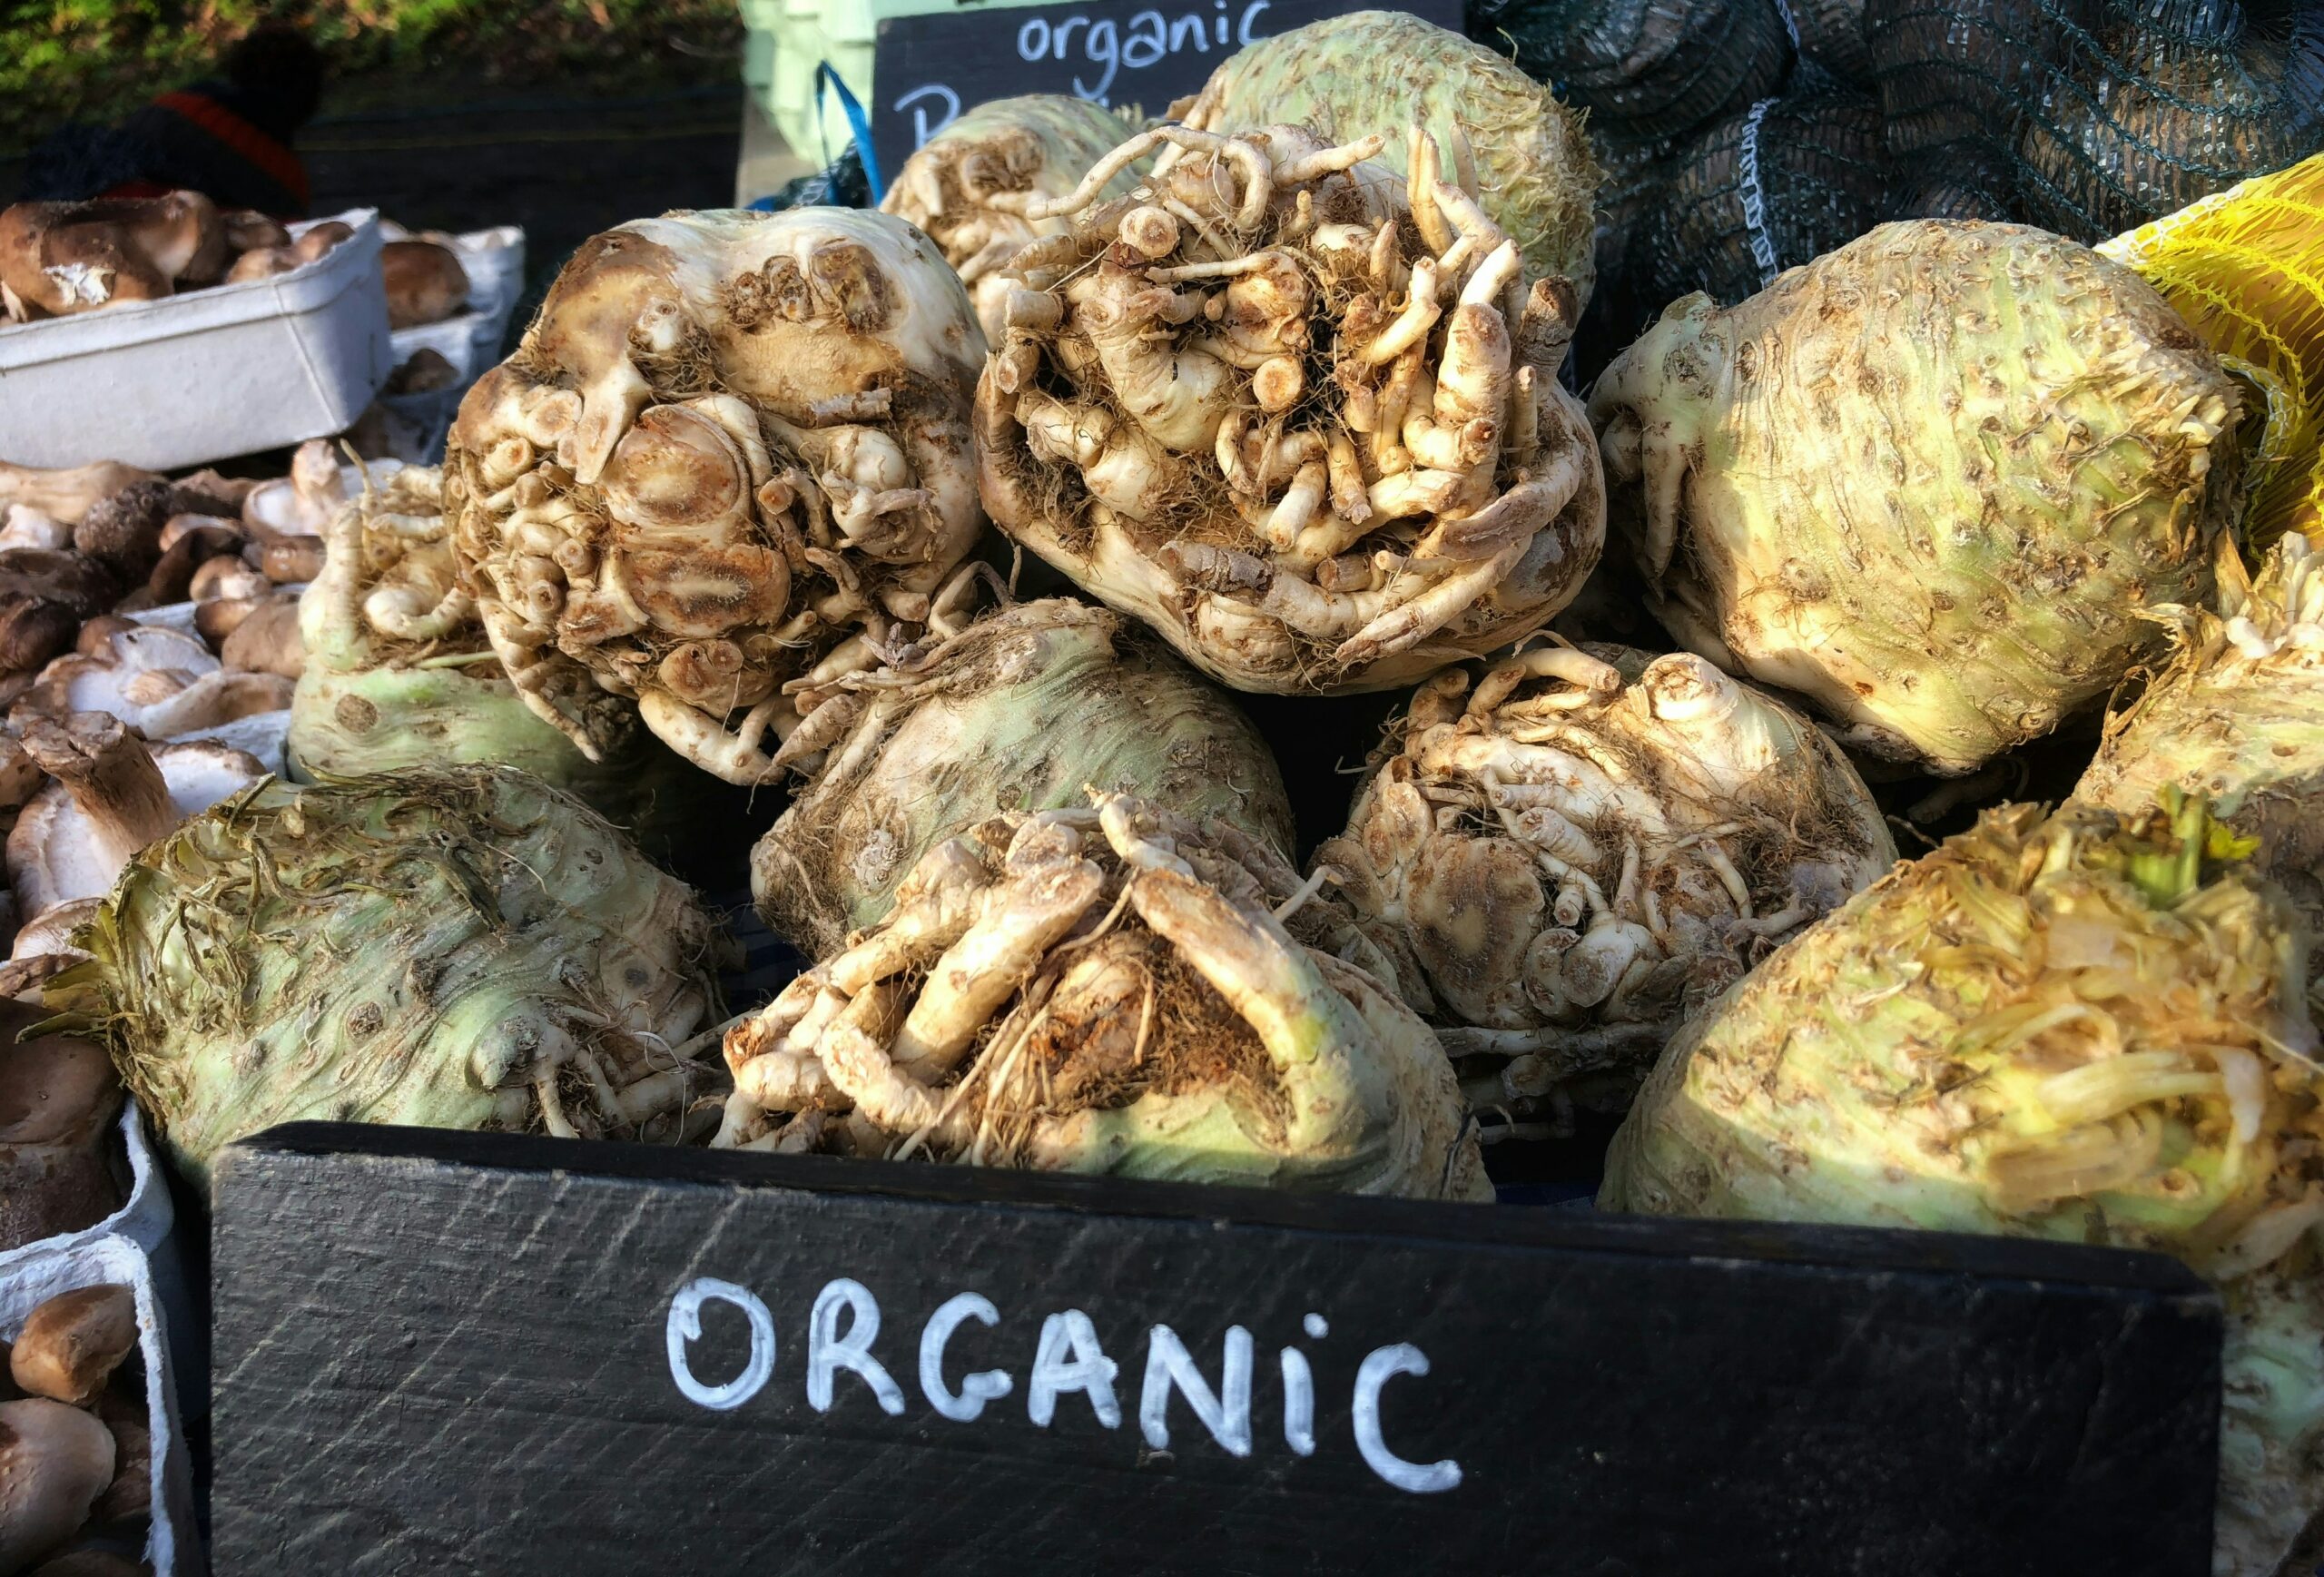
x=202, y=376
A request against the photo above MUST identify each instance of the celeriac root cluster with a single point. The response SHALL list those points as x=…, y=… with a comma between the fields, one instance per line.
x=733, y=450
x=1300, y=417
x=1107, y=989
x=1567, y=855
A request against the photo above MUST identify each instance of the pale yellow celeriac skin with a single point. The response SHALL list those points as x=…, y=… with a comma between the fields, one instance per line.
x=1936, y=481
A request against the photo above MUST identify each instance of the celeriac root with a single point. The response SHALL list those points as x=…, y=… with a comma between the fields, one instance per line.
x=1307, y=426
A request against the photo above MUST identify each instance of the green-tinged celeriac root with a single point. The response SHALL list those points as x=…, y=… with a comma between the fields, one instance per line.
x=1018, y=711
x=400, y=675
x=466, y=948
x=1935, y=481
x=1109, y=990
x=1307, y=428
x=968, y=185
x=2072, y=1027
x=1371, y=70
x=2237, y=715
x=1571, y=851
x=730, y=446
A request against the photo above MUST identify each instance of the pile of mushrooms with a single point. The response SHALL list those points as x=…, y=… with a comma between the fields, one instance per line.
x=57, y=259
x=141, y=620
x=76, y=1468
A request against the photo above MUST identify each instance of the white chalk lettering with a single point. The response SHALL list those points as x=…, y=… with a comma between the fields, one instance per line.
x=829, y=1351
x=685, y=1327
x=1087, y=1370
x=1225, y=1413
x=1243, y=35
x=986, y=1385
x=922, y=125
x=1105, y=49
x=1378, y=1368
x=1298, y=1402
x=1033, y=45
x=1149, y=40
x=843, y=1328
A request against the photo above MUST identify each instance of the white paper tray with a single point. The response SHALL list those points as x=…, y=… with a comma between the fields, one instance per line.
x=204, y=376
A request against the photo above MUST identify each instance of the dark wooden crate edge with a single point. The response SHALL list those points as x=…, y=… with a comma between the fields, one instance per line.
x=1873, y=1249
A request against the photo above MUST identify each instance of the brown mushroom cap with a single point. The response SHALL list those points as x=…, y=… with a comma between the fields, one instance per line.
x=130, y=1496
x=59, y=1099
x=320, y=239
x=292, y=561
x=268, y=641
x=33, y=630
x=200, y=540
x=205, y=492
x=54, y=1461
x=260, y=263
x=425, y=282
x=70, y=1345
x=226, y=575
x=247, y=228
x=57, y=259
x=426, y=370
x=74, y=580
x=124, y=532
x=21, y=776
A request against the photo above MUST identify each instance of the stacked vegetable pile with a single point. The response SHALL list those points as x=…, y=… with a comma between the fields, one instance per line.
x=1959, y=510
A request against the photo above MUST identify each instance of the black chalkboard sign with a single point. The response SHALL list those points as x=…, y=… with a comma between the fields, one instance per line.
x=926, y=70
x=446, y=1352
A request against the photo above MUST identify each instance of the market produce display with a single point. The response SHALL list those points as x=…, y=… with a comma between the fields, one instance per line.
x=1320, y=459
x=2073, y=1026
x=1568, y=854
x=1281, y=394
x=76, y=1446
x=1022, y=710
x=969, y=186
x=1111, y=989
x=463, y=948
x=732, y=447
x=1936, y=482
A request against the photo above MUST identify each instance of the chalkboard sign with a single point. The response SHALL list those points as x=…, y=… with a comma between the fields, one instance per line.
x=451, y=1353
x=927, y=69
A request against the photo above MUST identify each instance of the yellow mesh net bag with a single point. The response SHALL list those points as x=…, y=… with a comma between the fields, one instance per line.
x=2245, y=267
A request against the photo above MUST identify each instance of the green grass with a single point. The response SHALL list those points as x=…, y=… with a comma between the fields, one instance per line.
x=97, y=59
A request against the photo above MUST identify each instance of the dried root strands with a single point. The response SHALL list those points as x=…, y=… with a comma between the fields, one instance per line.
x=2237, y=715
x=1936, y=481
x=1016, y=712
x=969, y=186
x=1312, y=434
x=1109, y=989
x=459, y=949
x=2076, y=1028
x=1567, y=855
x=1369, y=71
x=2245, y=269
x=729, y=444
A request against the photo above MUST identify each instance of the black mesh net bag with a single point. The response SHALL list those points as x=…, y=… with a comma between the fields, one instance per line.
x=1644, y=68
x=2089, y=117
x=1782, y=183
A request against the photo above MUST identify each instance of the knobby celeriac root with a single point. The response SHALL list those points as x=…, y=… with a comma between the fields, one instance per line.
x=1107, y=989
x=732, y=447
x=1301, y=418
x=1568, y=853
